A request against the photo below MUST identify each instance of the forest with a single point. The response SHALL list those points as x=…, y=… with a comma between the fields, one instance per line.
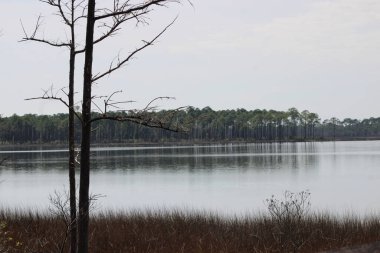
x=200, y=125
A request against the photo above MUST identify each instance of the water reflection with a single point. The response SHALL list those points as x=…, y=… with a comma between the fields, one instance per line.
x=232, y=177
x=208, y=158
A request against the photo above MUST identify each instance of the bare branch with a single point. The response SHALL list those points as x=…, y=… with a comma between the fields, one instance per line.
x=50, y=95
x=96, y=105
x=33, y=35
x=79, y=4
x=117, y=21
x=71, y=23
x=144, y=120
x=58, y=4
x=83, y=13
x=144, y=117
x=121, y=63
x=108, y=102
x=115, y=27
x=125, y=10
x=149, y=107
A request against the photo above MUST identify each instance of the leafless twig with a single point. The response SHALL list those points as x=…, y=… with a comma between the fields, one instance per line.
x=33, y=36
x=61, y=208
x=50, y=94
x=126, y=9
x=121, y=62
x=145, y=117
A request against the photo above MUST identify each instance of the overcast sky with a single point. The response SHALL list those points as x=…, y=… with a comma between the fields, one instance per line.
x=319, y=55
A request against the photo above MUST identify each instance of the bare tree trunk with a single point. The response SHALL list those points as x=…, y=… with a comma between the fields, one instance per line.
x=70, y=20
x=83, y=220
x=73, y=203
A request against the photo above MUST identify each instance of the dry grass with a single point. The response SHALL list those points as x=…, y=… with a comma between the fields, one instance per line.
x=175, y=231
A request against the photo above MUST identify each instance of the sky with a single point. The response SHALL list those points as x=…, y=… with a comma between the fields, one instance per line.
x=316, y=55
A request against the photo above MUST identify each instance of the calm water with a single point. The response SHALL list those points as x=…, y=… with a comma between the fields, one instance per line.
x=232, y=179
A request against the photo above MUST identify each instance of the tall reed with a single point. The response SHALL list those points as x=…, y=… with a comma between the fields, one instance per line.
x=192, y=232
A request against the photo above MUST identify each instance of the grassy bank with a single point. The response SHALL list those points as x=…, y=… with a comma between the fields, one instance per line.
x=173, y=232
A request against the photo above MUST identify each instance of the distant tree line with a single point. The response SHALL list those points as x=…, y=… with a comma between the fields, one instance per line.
x=203, y=125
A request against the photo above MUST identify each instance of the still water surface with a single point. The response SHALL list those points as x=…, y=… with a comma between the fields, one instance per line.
x=229, y=179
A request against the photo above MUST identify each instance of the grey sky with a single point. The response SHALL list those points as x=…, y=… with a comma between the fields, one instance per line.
x=320, y=55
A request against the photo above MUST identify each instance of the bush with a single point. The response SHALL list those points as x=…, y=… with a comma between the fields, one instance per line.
x=289, y=219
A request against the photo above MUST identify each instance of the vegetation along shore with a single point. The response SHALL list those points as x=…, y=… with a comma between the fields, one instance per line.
x=203, y=126
x=287, y=226
x=173, y=232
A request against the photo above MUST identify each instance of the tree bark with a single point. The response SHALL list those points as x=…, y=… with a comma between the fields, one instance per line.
x=83, y=220
x=73, y=202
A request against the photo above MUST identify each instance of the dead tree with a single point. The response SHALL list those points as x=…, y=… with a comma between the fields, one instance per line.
x=112, y=19
x=120, y=12
x=70, y=12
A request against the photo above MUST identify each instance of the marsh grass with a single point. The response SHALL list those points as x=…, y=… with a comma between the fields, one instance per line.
x=179, y=231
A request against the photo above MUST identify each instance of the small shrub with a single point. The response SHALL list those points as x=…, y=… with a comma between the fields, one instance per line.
x=289, y=217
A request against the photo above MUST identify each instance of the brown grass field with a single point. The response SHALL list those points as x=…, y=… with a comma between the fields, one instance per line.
x=176, y=231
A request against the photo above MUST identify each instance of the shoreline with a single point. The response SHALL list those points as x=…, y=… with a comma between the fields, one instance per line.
x=185, y=143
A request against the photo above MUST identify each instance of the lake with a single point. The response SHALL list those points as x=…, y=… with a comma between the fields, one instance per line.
x=228, y=179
